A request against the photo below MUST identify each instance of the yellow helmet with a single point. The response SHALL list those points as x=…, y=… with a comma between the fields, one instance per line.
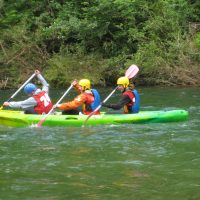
x=123, y=81
x=85, y=83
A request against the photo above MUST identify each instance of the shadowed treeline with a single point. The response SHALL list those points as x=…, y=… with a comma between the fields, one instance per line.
x=99, y=39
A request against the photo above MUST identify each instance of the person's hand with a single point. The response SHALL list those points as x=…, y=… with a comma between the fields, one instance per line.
x=56, y=106
x=75, y=82
x=6, y=103
x=103, y=104
x=37, y=72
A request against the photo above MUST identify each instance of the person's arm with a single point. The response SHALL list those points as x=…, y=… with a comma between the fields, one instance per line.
x=78, y=101
x=45, y=85
x=76, y=86
x=30, y=102
x=122, y=102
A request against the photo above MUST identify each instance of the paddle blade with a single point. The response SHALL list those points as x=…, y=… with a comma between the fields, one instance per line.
x=88, y=117
x=92, y=113
x=132, y=71
x=39, y=124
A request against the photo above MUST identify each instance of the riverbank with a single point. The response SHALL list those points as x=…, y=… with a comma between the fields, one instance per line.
x=172, y=77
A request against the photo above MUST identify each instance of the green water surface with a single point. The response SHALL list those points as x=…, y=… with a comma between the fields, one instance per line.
x=125, y=162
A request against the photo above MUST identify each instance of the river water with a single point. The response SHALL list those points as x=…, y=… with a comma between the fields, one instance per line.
x=125, y=162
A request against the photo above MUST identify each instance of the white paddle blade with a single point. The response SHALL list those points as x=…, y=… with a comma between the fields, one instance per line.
x=132, y=71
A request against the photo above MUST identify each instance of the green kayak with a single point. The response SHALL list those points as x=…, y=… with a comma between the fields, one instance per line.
x=19, y=119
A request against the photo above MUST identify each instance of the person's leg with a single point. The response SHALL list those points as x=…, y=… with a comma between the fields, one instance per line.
x=114, y=112
x=70, y=112
x=30, y=111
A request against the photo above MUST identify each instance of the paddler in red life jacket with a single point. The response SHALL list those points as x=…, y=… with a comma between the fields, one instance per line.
x=38, y=102
x=88, y=98
x=130, y=100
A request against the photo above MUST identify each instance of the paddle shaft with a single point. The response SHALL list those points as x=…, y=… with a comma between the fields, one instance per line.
x=19, y=89
x=45, y=117
x=104, y=101
x=130, y=73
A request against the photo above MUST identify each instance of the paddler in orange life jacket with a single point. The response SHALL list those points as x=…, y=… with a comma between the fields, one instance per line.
x=88, y=98
x=130, y=99
x=38, y=102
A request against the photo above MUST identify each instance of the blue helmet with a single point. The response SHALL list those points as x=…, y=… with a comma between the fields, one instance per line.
x=29, y=88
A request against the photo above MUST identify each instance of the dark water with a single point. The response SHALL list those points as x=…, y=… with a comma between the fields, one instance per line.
x=139, y=162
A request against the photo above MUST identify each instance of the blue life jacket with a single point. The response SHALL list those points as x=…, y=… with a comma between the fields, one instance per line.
x=136, y=106
x=97, y=99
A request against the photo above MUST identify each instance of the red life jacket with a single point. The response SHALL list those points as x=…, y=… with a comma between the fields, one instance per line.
x=87, y=104
x=128, y=106
x=44, y=104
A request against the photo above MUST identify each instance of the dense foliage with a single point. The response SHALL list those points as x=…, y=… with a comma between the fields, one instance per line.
x=99, y=39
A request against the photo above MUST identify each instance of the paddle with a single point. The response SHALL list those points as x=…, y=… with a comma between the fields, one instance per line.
x=19, y=89
x=45, y=117
x=130, y=73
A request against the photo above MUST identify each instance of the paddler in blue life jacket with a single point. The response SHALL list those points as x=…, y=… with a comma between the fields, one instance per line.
x=38, y=101
x=130, y=100
x=88, y=98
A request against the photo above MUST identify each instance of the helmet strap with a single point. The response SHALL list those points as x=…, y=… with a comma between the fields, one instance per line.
x=124, y=90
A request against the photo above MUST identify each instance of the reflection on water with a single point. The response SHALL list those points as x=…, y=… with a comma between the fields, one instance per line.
x=148, y=161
